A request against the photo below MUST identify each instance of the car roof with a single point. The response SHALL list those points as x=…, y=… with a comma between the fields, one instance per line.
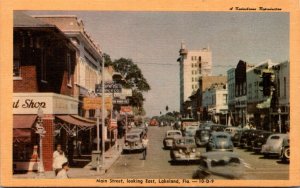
x=219, y=133
x=279, y=134
x=170, y=131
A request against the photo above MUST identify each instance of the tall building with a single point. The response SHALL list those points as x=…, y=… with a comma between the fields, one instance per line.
x=193, y=65
x=231, y=90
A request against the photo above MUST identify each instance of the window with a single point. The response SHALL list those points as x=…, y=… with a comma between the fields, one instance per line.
x=192, y=58
x=16, y=66
x=192, y=79
x=199, y=58
x=192, y=86
x=69, y=69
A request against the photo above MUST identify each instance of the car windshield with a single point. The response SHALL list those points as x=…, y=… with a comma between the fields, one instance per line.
x=174, y=134
x=185, y=141
x=204, y=133
x=221, y=136
x=132, y=136
x=275, y=137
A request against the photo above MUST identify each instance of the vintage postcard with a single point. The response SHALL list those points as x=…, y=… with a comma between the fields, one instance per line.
x=149, y=93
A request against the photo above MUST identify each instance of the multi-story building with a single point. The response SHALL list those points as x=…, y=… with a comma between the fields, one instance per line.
x=231, y=92
x=44, y=62
x=282, y=80
x=215, y=101
x=257, y=116
x=240, y=114
x=88, y=56
x=193, y=65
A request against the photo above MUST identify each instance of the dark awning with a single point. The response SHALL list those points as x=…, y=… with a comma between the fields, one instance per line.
x=76, y=121
x=22, y=127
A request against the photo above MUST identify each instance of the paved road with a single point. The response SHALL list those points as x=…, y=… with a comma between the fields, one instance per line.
x=157, y=163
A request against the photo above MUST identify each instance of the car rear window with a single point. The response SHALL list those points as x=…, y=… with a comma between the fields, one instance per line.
x=221, y=136
x=173, y=133
x=275, y=137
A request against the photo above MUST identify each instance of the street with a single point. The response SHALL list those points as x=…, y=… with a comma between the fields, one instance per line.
x=157, y=163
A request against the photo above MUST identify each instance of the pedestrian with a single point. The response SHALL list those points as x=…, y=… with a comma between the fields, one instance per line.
x=63, y=173
x=145, y=145
x=59, y=159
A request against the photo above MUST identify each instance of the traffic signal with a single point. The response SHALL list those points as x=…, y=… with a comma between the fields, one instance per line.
x=267, y=82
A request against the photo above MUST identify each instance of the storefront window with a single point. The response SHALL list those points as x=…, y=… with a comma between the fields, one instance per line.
x=16, y=66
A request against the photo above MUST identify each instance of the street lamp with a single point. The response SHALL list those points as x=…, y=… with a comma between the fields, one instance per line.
x=279, y=119
x=40, y=130
x=103, y=113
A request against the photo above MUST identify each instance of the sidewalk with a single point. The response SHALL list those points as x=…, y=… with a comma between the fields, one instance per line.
x=110, y=156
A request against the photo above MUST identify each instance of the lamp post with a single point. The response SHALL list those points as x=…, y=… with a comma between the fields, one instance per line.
x=279, y=119
x=97, y=113
x=40, y=130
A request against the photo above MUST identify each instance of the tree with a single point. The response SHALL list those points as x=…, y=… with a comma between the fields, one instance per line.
x=107, y=60
x=134, y=79
x=132, y=74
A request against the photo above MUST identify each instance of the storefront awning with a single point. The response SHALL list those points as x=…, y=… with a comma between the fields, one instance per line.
x=72, y=125
x=76, y=121
x=22, y=127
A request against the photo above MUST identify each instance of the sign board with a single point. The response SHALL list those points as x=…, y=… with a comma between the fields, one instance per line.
x=113, y=124
x=120, y=101
x=95, y=103
x=109, y=87
x=126, y=110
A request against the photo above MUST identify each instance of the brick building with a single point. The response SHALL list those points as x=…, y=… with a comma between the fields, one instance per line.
x=44, y=61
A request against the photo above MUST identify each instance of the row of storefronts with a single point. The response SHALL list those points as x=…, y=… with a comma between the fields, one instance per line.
x=54, y=70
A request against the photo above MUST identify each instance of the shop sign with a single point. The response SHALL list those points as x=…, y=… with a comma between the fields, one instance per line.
x=50, y=103
x=92, y=103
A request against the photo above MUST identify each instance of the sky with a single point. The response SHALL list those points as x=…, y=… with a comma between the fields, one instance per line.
x=152, y=40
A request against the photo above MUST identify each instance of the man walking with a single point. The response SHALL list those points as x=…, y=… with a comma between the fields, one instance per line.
x=145, y=144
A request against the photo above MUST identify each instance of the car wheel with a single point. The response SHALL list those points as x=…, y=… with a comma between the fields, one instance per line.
x=286, y=154
x=266, y=155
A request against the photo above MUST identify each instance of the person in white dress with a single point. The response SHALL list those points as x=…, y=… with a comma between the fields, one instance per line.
x=59, y=159
x=63, y=173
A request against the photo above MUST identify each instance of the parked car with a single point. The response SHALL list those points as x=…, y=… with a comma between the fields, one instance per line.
x=285, y=154
x=220, y=165
x=184, y=149
x=260, y=139
x=217, y=127
x=274, y=145
x=170, y=136
x=133, y=142
x=219, y=141
x=202, y=137
x=251, y=137
x=190, y=131
x=235, y=133
x=244, y=138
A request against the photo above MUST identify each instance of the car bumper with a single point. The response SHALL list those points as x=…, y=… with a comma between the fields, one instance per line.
x=131, y=148
x=220, y=149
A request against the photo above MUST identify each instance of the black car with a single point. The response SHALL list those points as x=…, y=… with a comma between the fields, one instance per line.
x=202, y=137
x=253, y=134
x=244, y=138
x=260, y=140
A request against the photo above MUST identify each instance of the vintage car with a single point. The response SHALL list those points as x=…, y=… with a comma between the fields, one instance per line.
x=253, y=134
x=219, y=141
x=184, y=149
x=133, y=142
x=274, y=145
x=220, y=165
x=285, y=154
x=260, y=139
x=217, y=127
x=190, y=131
x=170, y=136
x=244, y=138
x=202, y=137
x=235, y=133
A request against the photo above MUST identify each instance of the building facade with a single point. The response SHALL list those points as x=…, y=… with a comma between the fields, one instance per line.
x=193, y=65
x=215, y=101
x=231, y=94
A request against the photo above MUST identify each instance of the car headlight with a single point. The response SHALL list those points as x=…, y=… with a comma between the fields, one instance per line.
x=180, y=151
x=193, y=150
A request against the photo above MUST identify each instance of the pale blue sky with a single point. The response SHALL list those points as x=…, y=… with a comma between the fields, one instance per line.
x=155, y=37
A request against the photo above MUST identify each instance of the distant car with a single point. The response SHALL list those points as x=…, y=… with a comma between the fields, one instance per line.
x=217, y=127
x=220, y=165
x=170, y=136
x=251, y=137
x=184, y=149
x=202, y=137
x=190, y=131
x=153, y=122
x=133, y=142
x=235, y=133
x=219, y=141
x=260, y=140
x=285, y=154
x=274, y=145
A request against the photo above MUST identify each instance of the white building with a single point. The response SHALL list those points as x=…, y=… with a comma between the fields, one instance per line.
x=193, y=64
x=215, y=100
